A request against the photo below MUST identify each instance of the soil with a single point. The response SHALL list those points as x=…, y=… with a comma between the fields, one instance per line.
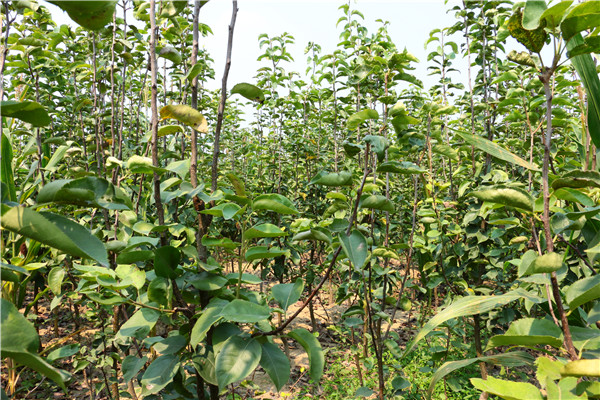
x=58, y=328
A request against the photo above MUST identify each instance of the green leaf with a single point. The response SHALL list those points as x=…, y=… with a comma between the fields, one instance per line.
x=582, y=368
x=532, y=39
x=547, y=369
x=470, y=305
x=55, y=279
x=287, y=294
x=237, y=359
x=507, y=196
x=88, y=191
x=159, y=374
x=262, y=231
x=400, y=167
x=377, y=202
x=131, y=365
x=360, y=117
x=210, y=315
x=6, y=170
x=245, y=311
x=532, y=13
x=313, y=348
x=528, y=332
x=132, y=257
x=169, y=130
x=249, y=91
x=63, y=352
x=574, y=195
x=586, y=69
x=521, y=58
x=93, y=15
x=447, y=151
x=208, y=282
x=343, y=178
x=185, y=114
x=160, y=291
x=262, y=252
x=577, y=179
x=352, y=149
x=274, y=202
x=583, y=291
x=27, y=111
x=548, y=262
x=166, y=260
x=55, y=231
x=507, y=390
x=378, y=145
x=275, y=364
x=219, y=242
x=583, y=16
x=495, y=150
x=194, y=71
x=20, y=341
x=170, y=54
x=143, y=165
x=355, y=247
x=318, y=234
x=511, y=359
x=139, y=325
x=554, y=15
x=205, y=365
x=170, y=345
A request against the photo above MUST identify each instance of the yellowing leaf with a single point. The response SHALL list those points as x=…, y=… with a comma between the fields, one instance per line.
x=186, y=115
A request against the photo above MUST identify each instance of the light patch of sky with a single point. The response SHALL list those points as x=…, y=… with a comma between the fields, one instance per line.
x=315, y=21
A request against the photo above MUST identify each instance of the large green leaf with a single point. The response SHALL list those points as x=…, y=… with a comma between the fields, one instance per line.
x=249, y=91
x=511, y=359
x=264, y=230
x=588, y=367
x=264, y=252
x=355, y=247
x=166, y=260
x=378, y=145
x=237, y=359
x=131, y=365
x=400, y=167
x=583, y=291
x=528, y=332
x=342, y=178
x=532, y=12
x=495, y=150
x=171, y=54
x=143, y=165
x=55, y=231
x=20, y=342
x=93, y=15
x=313, y=348
x=274, y=202
x=210, y=315
x=185, y=114
x=583, y=16
x=287, y=294
x=27, y=111
x=508, y=390
x=275, y=363
x=139, y=325
x=159, y=374
x=377, y=202
x=554, y=15
x=507, y=196
x=245, y=311
x=6, y=170
x=88, y=191
x=360, y=117
x=577, y=179
x=470, y=305
x=586, y=69
x=447, y=151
